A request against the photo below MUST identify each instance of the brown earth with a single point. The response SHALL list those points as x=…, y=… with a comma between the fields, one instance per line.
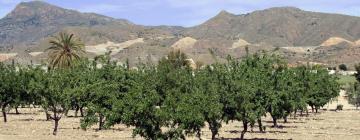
x=328, y=124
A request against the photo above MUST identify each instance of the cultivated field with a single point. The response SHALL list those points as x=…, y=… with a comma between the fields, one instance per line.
x=328, y=124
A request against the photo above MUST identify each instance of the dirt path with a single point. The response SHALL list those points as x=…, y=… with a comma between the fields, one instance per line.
x=328, y=124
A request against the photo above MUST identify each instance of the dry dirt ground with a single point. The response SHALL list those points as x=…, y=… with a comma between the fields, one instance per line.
x=328, y=124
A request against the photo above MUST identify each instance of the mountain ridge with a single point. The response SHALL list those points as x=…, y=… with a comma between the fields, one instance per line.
x=28, y=27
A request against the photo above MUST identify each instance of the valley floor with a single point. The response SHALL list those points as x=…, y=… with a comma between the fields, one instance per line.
x=328, y=124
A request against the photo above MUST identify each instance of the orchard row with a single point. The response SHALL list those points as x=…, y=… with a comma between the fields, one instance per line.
x=169, y=100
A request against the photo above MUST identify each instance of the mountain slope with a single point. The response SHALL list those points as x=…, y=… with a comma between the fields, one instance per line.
x=26, y=31
x=284, y=26
x=31, y=22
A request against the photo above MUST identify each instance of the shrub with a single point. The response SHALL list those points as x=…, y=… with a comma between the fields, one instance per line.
x=339, y=107
x=343, y=67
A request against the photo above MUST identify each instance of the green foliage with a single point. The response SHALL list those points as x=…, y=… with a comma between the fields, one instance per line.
x=11, y=87
x=171, y=100
x=64, y=50
x=103, y=88
x=53, y=89
x=322, y=86
x=346, y=80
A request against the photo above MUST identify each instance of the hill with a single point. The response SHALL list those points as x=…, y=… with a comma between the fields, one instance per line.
x=28, y=27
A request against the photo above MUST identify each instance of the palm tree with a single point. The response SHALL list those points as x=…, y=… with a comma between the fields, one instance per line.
x=64, y=50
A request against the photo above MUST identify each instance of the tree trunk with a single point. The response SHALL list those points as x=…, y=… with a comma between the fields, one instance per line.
x=82, y=111
x=252, y=124
x=16, y=110
x=213, y=129
x=213, y=135
x=56, y=125
x=245, y=125
x=101, y=117
x=3, y=110
x=76, y=110
x=295, y=114
x=285, y=119
x=260, y=125
x=275, y=122
x=214, y=126
x=312, y=109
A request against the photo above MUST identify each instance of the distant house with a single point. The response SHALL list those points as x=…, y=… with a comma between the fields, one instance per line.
x=311, y=63
x=347, y=72
x=332, y=71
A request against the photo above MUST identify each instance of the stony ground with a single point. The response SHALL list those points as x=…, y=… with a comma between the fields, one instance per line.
x=328, y=124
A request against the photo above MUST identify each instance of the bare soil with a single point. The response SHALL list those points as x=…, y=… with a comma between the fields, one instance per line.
x=327, y=124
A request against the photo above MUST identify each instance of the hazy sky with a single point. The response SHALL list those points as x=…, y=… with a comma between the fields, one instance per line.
x=187, y=12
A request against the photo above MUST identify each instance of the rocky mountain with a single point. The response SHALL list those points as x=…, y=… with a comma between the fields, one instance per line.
x=283, y=26
x=31, y=22
x=290, y=31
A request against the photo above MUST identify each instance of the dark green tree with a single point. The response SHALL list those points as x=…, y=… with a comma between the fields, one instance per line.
x=53, y=88
x=343, y=67
x=323, y=88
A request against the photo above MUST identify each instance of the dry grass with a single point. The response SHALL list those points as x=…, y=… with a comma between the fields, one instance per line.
x=240, y=43
x=335, y=40
x=101, y=49
x=184, y=43
x=6, y=56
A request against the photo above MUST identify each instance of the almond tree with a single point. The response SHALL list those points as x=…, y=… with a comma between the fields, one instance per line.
x=105, y=88
x=140, y=107
x=53, y=87
x=323, y=88
x=301, y=89
x=8, y=93
x=13, y=87
x=281, y=100
x=208, y=82
x=163, y=97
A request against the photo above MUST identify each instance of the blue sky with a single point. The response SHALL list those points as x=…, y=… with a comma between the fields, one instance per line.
x=187, y=12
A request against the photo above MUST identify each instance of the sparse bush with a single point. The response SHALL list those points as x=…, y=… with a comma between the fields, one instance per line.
x=339, y=107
